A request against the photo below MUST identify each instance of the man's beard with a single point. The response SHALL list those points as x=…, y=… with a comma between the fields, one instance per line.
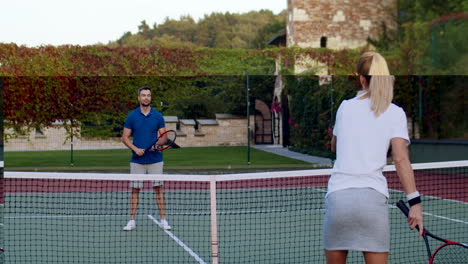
x=146, y=105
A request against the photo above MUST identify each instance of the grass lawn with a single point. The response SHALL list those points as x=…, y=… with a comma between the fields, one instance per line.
x=178, y=160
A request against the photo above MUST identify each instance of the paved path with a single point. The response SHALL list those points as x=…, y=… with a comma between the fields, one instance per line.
x=280, y=150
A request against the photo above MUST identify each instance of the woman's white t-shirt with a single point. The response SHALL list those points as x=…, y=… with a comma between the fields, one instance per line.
x=362, y=144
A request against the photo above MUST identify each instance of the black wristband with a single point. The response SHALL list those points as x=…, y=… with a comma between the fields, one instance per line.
x=414, y=201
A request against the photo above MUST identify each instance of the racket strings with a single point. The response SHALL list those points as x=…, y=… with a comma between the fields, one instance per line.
x=451, y=254
x=170, y=139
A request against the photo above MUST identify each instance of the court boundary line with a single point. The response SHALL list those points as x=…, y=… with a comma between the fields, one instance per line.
x=431, y=214
x=431, y=196
x=179, y=242
x=446, y=218
x=436, y=216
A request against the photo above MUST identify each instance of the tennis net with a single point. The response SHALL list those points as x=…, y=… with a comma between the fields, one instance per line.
x=265, y=217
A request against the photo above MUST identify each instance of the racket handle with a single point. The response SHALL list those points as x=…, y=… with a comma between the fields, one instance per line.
x=404, y=209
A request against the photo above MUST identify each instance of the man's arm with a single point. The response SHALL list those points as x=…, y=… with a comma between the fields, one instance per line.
x=162, y=140
x=128, y=142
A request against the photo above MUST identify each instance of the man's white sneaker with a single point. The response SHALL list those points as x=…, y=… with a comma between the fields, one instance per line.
x=165, y=225
x=130, y=226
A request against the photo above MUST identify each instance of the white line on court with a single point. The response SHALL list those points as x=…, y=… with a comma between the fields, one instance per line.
x=434, y=197
x=180, y=242
x=439, y=216
x=446, y=218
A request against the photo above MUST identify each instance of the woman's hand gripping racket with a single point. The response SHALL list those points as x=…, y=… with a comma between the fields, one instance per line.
x=449, y=252
x=165, y=140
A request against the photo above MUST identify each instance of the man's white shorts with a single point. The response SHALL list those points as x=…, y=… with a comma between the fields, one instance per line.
x=153, y=168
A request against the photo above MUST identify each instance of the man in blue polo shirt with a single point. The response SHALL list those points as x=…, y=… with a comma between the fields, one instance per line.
x=144, y=124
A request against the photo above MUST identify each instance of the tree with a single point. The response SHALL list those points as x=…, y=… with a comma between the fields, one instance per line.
x=427, y=10
x=183, y=29
x=216, y=30
x=268, y=31
x=144, y=30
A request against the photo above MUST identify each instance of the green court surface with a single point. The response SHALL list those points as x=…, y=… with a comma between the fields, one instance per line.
x=255, y=225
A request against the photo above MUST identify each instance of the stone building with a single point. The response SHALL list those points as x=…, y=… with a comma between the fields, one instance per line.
x=336, y=24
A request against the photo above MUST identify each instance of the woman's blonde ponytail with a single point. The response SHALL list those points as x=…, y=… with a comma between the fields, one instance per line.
x=381, y=82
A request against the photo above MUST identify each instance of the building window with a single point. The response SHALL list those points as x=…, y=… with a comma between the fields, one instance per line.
x=323, y=42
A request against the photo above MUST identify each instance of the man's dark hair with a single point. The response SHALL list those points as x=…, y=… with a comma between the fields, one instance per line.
x=143, y=88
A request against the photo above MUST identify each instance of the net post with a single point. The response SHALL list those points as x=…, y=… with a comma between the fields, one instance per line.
x=247, y=88
x=214, y=221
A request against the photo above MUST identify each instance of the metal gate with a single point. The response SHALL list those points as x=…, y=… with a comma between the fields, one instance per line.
x=263, y=123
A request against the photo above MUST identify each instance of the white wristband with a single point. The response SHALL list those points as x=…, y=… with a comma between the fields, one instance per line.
x=412, y=195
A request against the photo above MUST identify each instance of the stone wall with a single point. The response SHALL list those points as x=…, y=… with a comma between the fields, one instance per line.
x=225, y=130
x=344, y=23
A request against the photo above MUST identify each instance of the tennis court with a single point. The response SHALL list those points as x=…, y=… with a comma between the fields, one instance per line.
x=272, y=217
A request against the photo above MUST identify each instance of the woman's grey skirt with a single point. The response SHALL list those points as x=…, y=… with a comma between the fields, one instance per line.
x=356, y=219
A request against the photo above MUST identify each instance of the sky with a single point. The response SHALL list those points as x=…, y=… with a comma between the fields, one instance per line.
x=85, y=22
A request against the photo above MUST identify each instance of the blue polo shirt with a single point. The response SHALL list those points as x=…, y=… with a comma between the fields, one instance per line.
x=144, y=133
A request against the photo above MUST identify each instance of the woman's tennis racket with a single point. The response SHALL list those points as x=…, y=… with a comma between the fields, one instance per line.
x=449, y=252
x=165, y=140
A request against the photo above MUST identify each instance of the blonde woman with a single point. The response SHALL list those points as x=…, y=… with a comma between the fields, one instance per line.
x=356, y=203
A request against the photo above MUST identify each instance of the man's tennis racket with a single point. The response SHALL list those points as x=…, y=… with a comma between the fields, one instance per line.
x=165, y=140
x=450, y=252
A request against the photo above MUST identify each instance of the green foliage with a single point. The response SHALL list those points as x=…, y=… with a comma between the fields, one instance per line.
x=85, y=87
x=160, y=61
x=216, y=30
x=442, y=110
x=428, y=38
x=236, y=62
x=98, y=106
x=413, y=51
x=94, y=61
x=449, y=47
x=313, y=109
x=427, y=10
x=268, y=31
x=385, y=39
x=186, y=83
